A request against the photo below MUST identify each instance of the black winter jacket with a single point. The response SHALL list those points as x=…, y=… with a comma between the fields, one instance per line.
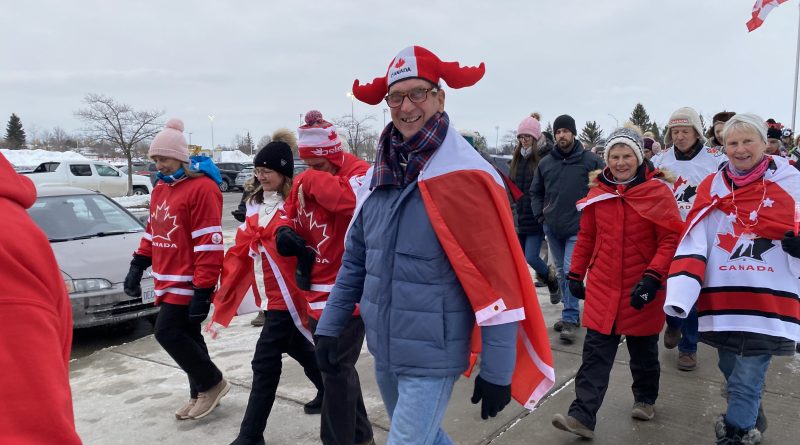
x=560, y=181
x=748, y=343
x=524, y=221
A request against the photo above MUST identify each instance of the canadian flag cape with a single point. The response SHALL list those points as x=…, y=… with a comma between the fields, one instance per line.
x=469, y=210
x=237, y=277
x=773, y=219
x=640, y=197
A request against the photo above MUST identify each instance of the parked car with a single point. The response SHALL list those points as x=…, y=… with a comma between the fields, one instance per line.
x=229, y=171
x=92, y=175
x=93, y=237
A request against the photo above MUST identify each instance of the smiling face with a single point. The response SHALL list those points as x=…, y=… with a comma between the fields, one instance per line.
x=622, y=162
x=410, y=117
x=166, y=166
x=684, y=138
x=270, y=180
x=744, y=148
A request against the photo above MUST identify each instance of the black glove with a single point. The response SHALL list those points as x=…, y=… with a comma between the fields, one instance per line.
x=791, y=244
x=495, y=397
x=238, y=215
x=302, y=274
x=327, y=351
x=644, y=292
x=133, y=281
x=200, y=304
x=289, y=243
x=576, y=288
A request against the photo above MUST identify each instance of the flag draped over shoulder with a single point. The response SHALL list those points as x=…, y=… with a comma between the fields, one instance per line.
x=760, y=11
x=470, y=213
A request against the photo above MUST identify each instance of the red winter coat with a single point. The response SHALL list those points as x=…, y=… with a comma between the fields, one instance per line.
x=35, y=326
x=625, y=233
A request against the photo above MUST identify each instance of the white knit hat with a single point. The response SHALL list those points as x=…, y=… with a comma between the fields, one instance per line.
x=626, y=136
x=684, y=117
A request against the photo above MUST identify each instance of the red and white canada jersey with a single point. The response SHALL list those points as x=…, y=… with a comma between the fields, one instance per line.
x=184, y=238
x=689, y=174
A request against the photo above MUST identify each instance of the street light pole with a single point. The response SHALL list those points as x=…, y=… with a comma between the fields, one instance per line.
x=496, y=138
x=615, y=119
x=384, y=117
x=352, y=106
x=211, y=118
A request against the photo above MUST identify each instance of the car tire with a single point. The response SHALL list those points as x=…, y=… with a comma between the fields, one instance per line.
x=224, y=186
x=140, y=190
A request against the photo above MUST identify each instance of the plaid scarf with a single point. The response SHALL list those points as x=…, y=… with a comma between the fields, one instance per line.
x=417, y=150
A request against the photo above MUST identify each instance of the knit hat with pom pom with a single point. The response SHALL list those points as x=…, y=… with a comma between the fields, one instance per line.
x=318, y=139
x=531, y=126
x=170, y=142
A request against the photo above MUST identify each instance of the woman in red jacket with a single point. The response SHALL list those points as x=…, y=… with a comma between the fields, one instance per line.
x=254, y=263
x=183, y=243
x=629, y=231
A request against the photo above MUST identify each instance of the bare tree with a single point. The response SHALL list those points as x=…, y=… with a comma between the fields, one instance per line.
x=359, y=135
x=58, y=138
x=119, y=124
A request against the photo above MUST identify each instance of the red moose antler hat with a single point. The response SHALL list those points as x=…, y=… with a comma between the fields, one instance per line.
x=418, y=62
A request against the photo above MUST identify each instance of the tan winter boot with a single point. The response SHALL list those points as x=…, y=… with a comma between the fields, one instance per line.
x=183, y=412
x=208, y=400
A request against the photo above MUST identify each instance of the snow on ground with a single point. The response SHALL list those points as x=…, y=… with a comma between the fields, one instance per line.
x=32, y=158
x=233, y=156
x=133, y=201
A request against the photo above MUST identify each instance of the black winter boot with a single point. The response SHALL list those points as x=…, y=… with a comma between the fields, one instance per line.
x=552, y=286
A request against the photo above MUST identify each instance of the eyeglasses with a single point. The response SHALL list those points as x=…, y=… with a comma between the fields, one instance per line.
x=258, y=171
x=416, y=95
x=524, y=136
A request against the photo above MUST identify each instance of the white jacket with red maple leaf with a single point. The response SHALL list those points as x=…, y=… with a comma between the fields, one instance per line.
x=689, y=173
x=184, y=238
x=322, y=217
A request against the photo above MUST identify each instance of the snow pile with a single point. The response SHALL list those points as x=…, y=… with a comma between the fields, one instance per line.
x=133, y=201
x=233, y=156
x=32, y=158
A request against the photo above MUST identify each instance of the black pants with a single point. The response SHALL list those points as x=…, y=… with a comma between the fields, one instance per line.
x=591, y=382
x=344, y=419
x=182, y=340
x=278, y=335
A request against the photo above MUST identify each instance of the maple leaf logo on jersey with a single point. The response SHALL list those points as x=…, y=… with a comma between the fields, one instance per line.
x=318, y=232
x=162, y=224
x=744, y=247
x=683, y=191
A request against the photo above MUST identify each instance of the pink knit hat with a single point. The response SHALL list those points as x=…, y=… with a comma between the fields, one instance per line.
x=170, y=142
x=530, y=126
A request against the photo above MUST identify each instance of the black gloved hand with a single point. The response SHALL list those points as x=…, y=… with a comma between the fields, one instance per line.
x=576, y=288
x=644, y=292
x=289, y=243
x=200, y=304
x=791, y=244
x=327, y=350
x=238, y=215
x=495, y=397
x=302, y=274
x=132, y=286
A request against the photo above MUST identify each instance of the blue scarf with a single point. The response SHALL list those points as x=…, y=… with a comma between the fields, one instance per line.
x=169, y=179
x=197, y=164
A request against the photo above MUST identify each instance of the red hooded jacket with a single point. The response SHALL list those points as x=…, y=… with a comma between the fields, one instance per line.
x=625, y=233
x=35, y=325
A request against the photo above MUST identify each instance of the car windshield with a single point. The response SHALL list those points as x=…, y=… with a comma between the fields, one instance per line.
x=64, y=218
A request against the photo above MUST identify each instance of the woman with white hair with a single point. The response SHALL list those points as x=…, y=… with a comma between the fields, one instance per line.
x=741, y=222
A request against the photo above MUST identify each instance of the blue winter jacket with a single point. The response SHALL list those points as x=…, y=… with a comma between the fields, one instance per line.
x=418, y=319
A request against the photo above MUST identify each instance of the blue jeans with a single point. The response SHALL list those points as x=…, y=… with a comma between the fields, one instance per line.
x=562, y=248
x=416, y=407
x=688, y=327
x=745, y=379
x=532, y=245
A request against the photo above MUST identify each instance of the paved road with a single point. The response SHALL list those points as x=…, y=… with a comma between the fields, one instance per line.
x=87, y=341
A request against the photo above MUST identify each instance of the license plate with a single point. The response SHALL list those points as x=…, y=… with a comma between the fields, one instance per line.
x=148, y=296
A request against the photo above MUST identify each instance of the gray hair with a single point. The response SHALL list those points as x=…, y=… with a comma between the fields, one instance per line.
x=746, y=122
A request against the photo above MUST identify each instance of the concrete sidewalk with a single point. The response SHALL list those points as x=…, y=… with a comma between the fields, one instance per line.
x=127, y=395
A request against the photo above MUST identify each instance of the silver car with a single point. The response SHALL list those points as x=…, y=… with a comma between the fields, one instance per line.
x=93, y=238
x=243, y=176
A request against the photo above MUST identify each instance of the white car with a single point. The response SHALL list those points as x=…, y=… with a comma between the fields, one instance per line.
x=97, y=176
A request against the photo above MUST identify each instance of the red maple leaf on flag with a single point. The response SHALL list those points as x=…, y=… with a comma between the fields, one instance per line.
x=162, y=224
x=760, y=11
x=400, y=63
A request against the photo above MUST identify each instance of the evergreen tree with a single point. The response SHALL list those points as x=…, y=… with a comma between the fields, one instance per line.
x=658, y=133
x=549, y=128
x=590, y=134
x=15, y=135
x=640, y=118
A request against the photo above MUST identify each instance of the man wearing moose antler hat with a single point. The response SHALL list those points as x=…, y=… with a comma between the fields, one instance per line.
x=439, y=273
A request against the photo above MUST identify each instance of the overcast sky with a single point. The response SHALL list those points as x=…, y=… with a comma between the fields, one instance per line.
x=258, y=65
